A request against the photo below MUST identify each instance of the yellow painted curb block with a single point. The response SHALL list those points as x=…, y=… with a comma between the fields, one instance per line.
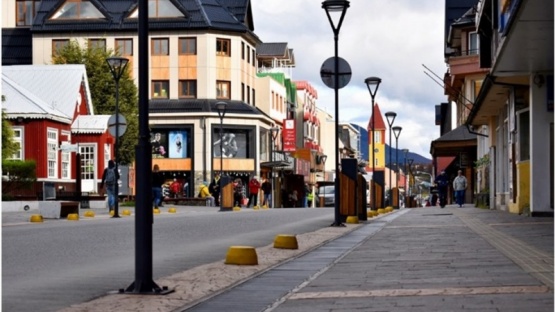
x=36, y=218
x=352, y=219
x=156, y=211
x=89, y=213
x=241, y=255
x=264, y=207
x=389, y=208
x=371, y=213
x=255, y=208
x=126, y=212
x=73, y=217
x=381, y=211
x=111, y=212
x=286, y=241
x=172, y=210
x=236, y=208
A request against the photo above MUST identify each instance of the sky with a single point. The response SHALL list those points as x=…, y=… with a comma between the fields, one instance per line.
x=389, y=39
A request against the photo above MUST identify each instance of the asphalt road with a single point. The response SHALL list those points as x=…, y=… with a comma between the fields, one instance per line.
x=51, y=265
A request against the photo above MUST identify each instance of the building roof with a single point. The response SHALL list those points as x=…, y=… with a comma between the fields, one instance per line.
x=200, y=105
x=17, y=46
x=380, y=124
x=118, y=15
x=460, y=133
x=44, y=91
x=89, y=124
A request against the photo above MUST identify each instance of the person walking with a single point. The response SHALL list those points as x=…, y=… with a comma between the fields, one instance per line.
x=157, y=181
x=460, y=185
x=254, y=188
x=442, y=182
x=109, y=179
x=205, y=193
x=214, y=188
x=267, y=190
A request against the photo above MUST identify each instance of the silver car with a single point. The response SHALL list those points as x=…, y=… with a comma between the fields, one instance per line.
x=327, y=192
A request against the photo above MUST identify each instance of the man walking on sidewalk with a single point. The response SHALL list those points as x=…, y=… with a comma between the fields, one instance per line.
x=459, y=185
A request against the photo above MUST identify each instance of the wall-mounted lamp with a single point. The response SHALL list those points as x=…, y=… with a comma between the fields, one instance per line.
x=20, y=119
x=321, y=159
x=539, y=80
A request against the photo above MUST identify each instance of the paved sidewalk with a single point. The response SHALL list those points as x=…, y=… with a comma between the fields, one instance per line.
x=423, y=259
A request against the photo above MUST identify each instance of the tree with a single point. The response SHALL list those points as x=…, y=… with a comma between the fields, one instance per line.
x=9, y=147
x=103, y=91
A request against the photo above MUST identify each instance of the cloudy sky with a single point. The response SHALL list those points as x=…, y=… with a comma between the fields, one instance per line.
x=390, y=39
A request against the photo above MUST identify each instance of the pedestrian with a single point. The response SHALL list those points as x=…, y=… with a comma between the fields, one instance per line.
x=306, y=190
x=310, y=198
x=293, y=198
x=267, y=190
x=110, y=177
x=214, y=188
x=459, y=185
x=175, y=187
x=157, y=181
x=205, y=193
x=186, y=189
x=254, y=188
x=442, y=182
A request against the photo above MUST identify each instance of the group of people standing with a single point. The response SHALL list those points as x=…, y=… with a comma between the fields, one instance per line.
x=460, y=185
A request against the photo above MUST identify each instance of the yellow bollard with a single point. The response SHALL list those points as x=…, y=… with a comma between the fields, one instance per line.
x=172, y=210
x=156, y=211
x=36, y=218
x=352, y=219
x=126, y=212
x=73, y=217
x=241, y=255
x=236, y=208
x=286, y=241
x=89, y=213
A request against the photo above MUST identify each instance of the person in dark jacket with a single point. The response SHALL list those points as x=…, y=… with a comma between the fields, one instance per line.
x=157, y=181
x=110, y=185
x=442, y=182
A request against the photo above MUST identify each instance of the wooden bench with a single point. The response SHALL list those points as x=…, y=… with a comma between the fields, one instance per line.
x=186, y=201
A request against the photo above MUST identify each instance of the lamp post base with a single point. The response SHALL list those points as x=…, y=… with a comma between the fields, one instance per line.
x=335, y=224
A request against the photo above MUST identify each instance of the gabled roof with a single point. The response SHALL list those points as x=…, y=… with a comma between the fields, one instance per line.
x=380, y=124
x=229, y=15
x=87, y=124
x=267, y=53
x=460, y=133
x=44, y=91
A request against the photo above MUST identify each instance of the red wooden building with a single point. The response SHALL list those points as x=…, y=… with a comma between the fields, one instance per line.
x=52, y=115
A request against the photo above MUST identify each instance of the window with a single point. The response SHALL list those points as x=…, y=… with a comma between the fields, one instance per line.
x=242, y=92
x=160, y=46
x=253, y=98
x=248, y=55
x=26, y=12
x=377, y=138
x=76, y=9
x=524, y=135
x=187, y=46
x=162, y=8
x=160, y=89
x=223, y=47
x=188, y=89
x=52, y=154
x=243, y=50
x=248, y=94
x=66, y=159
x=97, y=44
x=18, y=139
x=472, y=43
x=253, y=58
x=87, y=161
x=223, y=89
x=58, y=45
x=476, y=87
x=124, y=47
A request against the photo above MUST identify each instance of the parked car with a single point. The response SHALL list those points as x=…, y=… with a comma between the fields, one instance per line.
x=327, y=192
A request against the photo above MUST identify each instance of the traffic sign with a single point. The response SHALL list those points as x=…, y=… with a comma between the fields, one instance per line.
x=327, y=73
x=112, y=125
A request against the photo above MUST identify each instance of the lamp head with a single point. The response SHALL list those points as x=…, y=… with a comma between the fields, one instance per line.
x=117, y=66
x=221, y=107
x=390, y=116
x=274, y=132
x=396, y=131
x=373, y=83
x=332, y=6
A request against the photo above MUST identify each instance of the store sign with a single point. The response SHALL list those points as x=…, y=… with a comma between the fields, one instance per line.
x=288, y=135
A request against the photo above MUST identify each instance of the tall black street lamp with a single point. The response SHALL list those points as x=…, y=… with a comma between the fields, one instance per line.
x=221, y=107
x=406, y=151
x=397, y=132
x=373, y=84
x=390, y=117
x=336, y=6
x=410, y=161
x=273, y=135
x=117, y=68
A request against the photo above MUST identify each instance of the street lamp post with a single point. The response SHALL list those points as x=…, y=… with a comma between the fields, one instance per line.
x=221, y=107
x=274, y=134
x=410, y=161
x=390, y=117
x=397, y=132
x=406, y=151
x=117, y=68
x=373, y=84
x=336, y=6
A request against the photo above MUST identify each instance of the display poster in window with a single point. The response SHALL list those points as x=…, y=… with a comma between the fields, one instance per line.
x=178, y=144
x=159, y=142
x=232, y=144
x=289, y=135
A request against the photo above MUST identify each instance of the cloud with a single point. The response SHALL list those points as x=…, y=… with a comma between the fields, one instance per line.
x=390, y=39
